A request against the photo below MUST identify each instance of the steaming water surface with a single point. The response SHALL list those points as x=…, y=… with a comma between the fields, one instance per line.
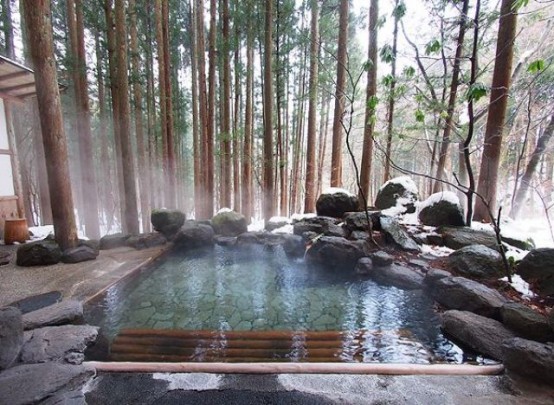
x=261, y=290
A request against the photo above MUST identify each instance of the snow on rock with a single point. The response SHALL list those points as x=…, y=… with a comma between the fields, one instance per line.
x=299, y=217
x=447, y=196
x=399, y=208
x=278, y=220
x=288, y=228
x=256, y=225
x=439, y=251
x=41, y=232
x=404, y=181
x=224, y=209
x=520, y=286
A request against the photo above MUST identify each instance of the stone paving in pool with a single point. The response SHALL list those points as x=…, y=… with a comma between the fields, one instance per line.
x=264, y=290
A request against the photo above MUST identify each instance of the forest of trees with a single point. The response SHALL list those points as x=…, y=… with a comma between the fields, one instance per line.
x=260, y=105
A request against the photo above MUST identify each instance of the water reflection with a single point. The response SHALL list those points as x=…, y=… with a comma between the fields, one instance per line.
x=228, y=292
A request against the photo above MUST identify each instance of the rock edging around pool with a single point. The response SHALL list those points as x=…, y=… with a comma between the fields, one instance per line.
x=475, y=315
x=42, y=354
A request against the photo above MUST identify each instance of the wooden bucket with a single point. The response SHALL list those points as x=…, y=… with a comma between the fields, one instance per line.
x=15, y=230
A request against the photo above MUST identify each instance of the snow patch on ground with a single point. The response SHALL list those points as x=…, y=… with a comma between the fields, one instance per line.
x=256, y=225
x=520, y=286
x=405, y=181
x=399, y=208
x=433, y=199
x=274, y=220
x=189, y=381
x=438, y=251
x=41, y=232
x=335, y=190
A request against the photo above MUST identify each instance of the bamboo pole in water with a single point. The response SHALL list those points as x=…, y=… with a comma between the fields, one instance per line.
x=294, y=368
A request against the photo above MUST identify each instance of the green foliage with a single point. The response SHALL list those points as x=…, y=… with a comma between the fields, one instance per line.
x=433, y=46
x=399, y=11
x=372, y=102
x=519, y=4
x=388, y=80
x=536, y=66
x=476, y=91
x=386, y=54
x=408, y=72
x=419, y=115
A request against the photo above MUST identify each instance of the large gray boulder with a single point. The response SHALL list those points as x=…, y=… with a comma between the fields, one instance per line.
x=482, y=334
x=459, y=237
x=31, y=383
x=11, y=336
x=113, y=241
x=476, y=261
x=357, y=221
x=396, y=234
x=146, y=240
x=194, y=235
x=79, y=254
x=526, y=323
x=294, y=245
x=433, y=276
x=335, y=203
x=441, y=209
x=529, y=359
x=62, y=344
x=336, y=252
x=401, y=192
x=166, y=221
x=319, y=225
x=537, y=268
x=40, y=253
x=397, y=276
x=67, y=311
x=468, y=295
x=229, y=223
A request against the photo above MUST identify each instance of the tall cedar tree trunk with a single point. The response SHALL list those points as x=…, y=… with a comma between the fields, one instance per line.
x=247, y=194
x=39, y=30
x=370, y=105
x=112, y=59
x=323, y=130
x=540, y=148
x=151, y=110
x=122, y=80
x=89, y=193
x=196, y=148
x=336, y=155
x=170, y=133
x=490, y=160
x=449, y=121
x=211, y=108
x=268, y=183
x=390, y=108
x=7, y=26
x=143, y=167
x=226, y=103
x=280, y=166
x=203, y=211
x=309, y=201
x=236, y=118
x=45, y=204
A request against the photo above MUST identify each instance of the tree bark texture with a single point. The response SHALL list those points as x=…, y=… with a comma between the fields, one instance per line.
x=268, y=182
x=38, y=21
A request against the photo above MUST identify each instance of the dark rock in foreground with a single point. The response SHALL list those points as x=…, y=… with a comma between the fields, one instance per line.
x=468, y=295
x=194, y=235
x=357, y=221
x=398, y=191
x=65, y=343
x=319, y=225
x=5, y=258
x=442, y=209
x=526, y=322
x=395, y=233
x=529, y=359
x=79, y=254
x=11, y=336
x=332, y=251
x=381, y=258
x=459, y=237
x=113, y=241
x=364, y=266
x=47, y=379
x=477, y=261
x=40, y=253
x=537, y=268
x=167, y=222
x=294, y=246
x=35, y=302
x=433, y=276
x=482, y=334
x=229, y=223
x=67, y=311
x=335, y=203
x=397, y=276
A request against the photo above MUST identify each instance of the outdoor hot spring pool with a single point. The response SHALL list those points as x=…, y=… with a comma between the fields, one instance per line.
x=257, y=305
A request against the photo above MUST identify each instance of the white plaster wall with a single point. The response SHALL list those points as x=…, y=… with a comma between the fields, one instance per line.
x=6, y=177
x=3, y=129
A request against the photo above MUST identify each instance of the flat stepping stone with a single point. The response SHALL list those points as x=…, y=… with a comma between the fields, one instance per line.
x=58, y=343
x=31, y=383
x=35, y=302
x=58, y=314
x=11, y=336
